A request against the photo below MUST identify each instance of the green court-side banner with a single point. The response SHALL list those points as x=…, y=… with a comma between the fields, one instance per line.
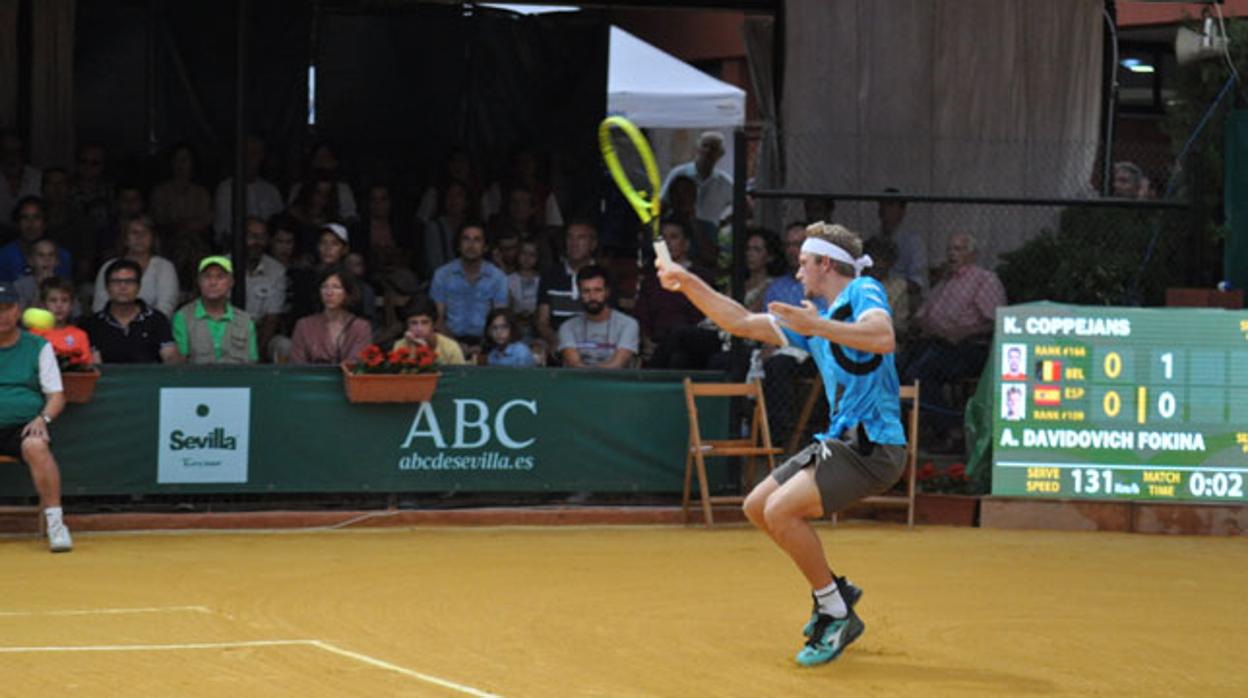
x=152, y=430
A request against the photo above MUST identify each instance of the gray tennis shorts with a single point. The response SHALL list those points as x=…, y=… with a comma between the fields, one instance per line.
x=843, y=472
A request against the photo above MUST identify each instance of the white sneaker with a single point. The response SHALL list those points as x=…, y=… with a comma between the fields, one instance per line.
x=59, y=540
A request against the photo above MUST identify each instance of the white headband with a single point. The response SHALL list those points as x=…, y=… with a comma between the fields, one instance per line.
x=819, y=246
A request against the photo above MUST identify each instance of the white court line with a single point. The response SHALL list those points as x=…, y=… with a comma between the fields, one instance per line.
x=152, y=648
x=333, y=649
x=406, y=672
x=108, y=611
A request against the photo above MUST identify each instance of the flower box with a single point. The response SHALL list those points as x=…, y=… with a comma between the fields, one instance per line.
x=79, y=385
x=946, y=509
x=388, y=387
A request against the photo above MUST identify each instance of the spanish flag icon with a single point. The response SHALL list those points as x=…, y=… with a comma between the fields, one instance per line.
x=1049, y=371
x=1047, y=395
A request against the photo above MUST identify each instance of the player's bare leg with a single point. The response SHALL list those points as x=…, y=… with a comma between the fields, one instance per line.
x=755, y=510
x=787, y=512
x=756, y=503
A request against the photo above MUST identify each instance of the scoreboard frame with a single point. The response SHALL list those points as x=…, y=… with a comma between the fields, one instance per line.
x=1104, y=403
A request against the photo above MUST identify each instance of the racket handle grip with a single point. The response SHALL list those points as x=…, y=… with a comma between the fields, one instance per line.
x=660, y=249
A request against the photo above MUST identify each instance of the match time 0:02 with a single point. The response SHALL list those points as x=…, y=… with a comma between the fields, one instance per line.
x=1216, y=485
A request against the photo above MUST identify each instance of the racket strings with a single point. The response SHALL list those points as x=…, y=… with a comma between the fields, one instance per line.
x=632, y=164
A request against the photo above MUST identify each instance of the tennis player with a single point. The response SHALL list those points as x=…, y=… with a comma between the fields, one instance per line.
x=863, y=450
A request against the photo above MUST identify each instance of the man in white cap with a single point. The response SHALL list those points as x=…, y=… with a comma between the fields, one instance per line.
x=862, y=452
x=714, y=185
x=27, y=360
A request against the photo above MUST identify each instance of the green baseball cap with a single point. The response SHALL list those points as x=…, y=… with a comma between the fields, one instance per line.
x=223, y=262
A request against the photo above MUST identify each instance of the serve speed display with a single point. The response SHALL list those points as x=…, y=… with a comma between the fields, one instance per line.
x=1120, y=403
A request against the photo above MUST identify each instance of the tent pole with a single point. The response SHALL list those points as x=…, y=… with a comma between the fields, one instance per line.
x=239, y=213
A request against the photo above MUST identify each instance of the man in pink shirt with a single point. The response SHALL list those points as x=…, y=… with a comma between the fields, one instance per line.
x=963, y=305
x=955, y=328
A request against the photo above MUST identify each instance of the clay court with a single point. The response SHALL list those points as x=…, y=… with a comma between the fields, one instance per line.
x=618, y=611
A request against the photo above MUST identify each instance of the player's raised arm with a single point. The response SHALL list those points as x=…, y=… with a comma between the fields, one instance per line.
x=872, y=332
x=725, y=312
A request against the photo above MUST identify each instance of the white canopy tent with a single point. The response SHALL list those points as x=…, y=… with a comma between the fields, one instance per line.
x=656, y=90
x=671, y=99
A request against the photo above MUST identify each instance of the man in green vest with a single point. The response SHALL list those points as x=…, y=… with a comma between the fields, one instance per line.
x=31, y=398
x=209, y=330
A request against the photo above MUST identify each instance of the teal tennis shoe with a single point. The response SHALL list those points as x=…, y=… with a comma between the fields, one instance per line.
x=829, y=638
x=849, y=591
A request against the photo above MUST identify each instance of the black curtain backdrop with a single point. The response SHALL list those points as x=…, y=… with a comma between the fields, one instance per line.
x=400, y=91
x=195, y=78
x=397, y=89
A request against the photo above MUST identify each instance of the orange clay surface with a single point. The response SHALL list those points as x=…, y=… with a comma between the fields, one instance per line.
x=622, y=611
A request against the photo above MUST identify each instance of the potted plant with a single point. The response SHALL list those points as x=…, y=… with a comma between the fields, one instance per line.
x=402, y=375
x=78, y=374
x=945, y=496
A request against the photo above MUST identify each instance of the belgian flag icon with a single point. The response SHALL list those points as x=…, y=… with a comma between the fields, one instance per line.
x=1048, y=371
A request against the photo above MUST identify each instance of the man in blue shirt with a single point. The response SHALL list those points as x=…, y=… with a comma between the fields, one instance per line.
x=30, y=217
x=467, y=288
x=863, y=450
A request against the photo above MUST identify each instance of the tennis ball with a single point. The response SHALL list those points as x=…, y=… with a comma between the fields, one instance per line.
x=38, y=319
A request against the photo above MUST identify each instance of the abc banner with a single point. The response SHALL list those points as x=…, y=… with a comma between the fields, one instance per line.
x=203, y=435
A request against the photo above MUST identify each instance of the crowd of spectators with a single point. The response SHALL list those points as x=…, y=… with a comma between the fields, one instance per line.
x=483, y=273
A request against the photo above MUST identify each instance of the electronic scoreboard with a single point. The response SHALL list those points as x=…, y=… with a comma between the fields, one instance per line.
x=1120, y=403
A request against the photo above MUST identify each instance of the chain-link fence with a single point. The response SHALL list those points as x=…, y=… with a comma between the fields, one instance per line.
x=967, y=227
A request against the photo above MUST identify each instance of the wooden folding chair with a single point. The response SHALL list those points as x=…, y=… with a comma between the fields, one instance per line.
x=758, y=444
x=814, y=392
x=893, y=498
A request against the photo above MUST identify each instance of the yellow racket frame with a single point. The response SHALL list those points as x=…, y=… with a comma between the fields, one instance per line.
x=646, y=204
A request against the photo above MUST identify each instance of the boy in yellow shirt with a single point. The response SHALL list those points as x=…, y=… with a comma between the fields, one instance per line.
x=421, y=316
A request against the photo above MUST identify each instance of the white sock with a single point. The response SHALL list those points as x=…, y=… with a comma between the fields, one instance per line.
x=52, y=514
x=830, y=601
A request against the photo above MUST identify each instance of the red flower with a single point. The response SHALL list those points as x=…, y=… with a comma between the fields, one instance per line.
x=372, y=356
x=927, y=471
x=403, y=359
x=425, y=357
x=957, y=471
x=371, y=352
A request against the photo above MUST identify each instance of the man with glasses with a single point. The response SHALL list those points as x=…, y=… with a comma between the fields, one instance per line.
x=30, y=217
x=127, y=330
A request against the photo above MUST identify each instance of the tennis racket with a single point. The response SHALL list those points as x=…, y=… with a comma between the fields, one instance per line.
x=628, y=157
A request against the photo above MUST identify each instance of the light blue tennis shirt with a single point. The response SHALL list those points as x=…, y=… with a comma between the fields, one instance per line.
x=870, y=399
